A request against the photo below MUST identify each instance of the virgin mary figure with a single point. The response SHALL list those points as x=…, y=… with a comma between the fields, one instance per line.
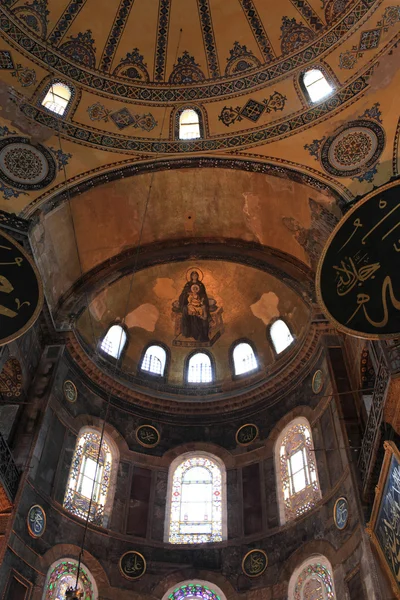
x=194, y=306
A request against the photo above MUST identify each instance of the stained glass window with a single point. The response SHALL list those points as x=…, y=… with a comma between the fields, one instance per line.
x=63, y=575
x=193, y=590
x=313, y=582
x=189, y=125
x=244, y=359
x=154, y=360
x=297, y=470
x=57, y=98
x=281, y=336
x=316, y=85
x=196, y=502
x=114, y=341
x=87, y=478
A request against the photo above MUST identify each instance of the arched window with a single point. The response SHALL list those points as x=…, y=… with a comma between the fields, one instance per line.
x=199, y=368
x=189, y=125
x=90, y=476
x=280, y=336
x=154, y=360
x=316, y=85
x=297, y=477
x=312, y=580
x=244, y=359
x=114, y=341
x=194, y=588
x=57, y=98
x=196, y=500
x=62, y=575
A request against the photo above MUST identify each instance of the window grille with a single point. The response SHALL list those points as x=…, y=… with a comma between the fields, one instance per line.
x=114, y=341
x=244, y=359
x=154, y=360
x=316, y=85
x=312, y=581
x=199, y=369
x=57, y=98
x=189, y=125
x=281, y=336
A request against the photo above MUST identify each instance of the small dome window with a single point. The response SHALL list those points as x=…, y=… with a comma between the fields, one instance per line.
x=189, y=125
x=114, y=341
x=281, y=336
x=57, y=98
x=316, y=85
x=199, y=369
x=244, y=359
x=154, y=360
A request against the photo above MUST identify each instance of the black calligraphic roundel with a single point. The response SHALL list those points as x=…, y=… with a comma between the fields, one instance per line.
x=21, y=293
x=341, y=513
x=358, y=276
x=147, y=436
x=36, y=521
x=246, y=434
x=254, y=563
x=132, y=565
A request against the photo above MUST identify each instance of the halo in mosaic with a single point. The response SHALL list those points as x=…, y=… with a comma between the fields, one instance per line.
x=24, y=166
x=63, y=576
x=311, y=581
x=193, y=590
x=353, y=149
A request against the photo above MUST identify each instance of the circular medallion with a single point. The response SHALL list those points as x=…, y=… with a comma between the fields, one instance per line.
x=70, y=391
x=147, y=436
x=22, y=292
x=254, y=563
x=132, y=565
x=353, y=148
x=246, y=434
x=341, y=513
x=36, y=521
x=24, y=166
x=317, y=381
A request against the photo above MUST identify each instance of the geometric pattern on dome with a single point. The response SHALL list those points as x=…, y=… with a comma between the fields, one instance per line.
x=334, y=9
x=80, y=48
x=193, y=590
x=240, y=60
x=186, y=71
x=294, y=35
x=309, y=15
x=252, y=110
x=24, y=166
x=63, y=576
x=314, y=583
x=133, y=67
x=162, y=38
x=6, y=61
x=257, y=27
x=66, y=20
x=35, y=16
x=209, y=38
x=11, y=379
x=115, y=34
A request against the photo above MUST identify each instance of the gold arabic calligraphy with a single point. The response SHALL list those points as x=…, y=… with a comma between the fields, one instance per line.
x=133, y=565
x=6, y=287
x=255, y=563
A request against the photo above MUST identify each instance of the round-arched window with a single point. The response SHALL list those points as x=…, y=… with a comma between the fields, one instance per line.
x=199, y=368
x=189, y=125
x=244, y=359
x=62, y=575
x=316, y=85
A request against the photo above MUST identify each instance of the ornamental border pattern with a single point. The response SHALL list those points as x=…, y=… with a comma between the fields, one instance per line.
x=65, y=21
x=94, y=80
x=115, y=34
x=395, y=157
x=160, y=58
x=277, y=130
x=309, y=15
x=208, y=37
x=258, y=30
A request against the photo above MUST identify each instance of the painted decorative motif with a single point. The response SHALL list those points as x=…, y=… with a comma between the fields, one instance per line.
x=133, y=67
x=294, y=35
x=98, y=112
x=252, y=110
x=24, y=166
x=147, y=436
x=81, y=49
x=254, y=563
x=383, y=527
x=63, y=577
x=309, y=14
x=80, y=483
x=162, y=39
x=208, y=37
x=186, y=70
x=246, y=434
x=132, y=565
x=62, y=157
x=70, y=391
x=193, y=590
x=11, y=379
x=200, y=522
x=21, y=290
x=317, y=382
x=35, y=15
x=334, y=9
x=198, y=319
x=357, y=277
x=36, y=521
x=257, y=27
x=311, y=580
x=6, y=61
x=354, y=148
x=122, y=118
x=65, y=21
x=25, y=76
x=240, y=60
x=369, y=40
x=341, y=513
x=116, y=32
x=209, y=90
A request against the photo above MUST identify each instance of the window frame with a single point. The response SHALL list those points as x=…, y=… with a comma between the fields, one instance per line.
x=153, y=376
x=247, y=374
x=186, y=369
x=328, y=76
x=46, y=89
x=104, y=354
x=278, y=355
x=74, y=562
x=179, y=460
x=313, y=560
x=176, y=116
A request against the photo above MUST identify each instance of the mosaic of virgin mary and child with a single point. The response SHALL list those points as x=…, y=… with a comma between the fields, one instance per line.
x=198, y=319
